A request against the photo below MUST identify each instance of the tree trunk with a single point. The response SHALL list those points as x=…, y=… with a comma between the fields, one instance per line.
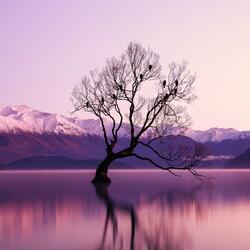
x=101, y=175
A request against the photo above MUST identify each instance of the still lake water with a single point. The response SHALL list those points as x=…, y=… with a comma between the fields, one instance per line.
x=151, y=210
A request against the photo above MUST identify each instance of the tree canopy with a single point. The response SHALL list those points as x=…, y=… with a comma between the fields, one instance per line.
x=131, y=91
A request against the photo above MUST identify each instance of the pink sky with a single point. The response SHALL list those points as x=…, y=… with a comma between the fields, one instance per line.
x=47, y=46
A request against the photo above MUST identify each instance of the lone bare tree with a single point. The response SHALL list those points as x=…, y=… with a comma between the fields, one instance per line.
x=131, y=91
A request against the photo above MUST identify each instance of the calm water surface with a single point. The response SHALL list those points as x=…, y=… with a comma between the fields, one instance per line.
x=149, y=210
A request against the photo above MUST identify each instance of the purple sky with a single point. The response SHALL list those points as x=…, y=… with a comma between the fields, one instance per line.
x=47, y=46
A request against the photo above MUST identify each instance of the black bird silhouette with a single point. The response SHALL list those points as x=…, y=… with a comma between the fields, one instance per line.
x=150, y=66
x=164, y=83
x=120, y=87
x=87, y=104
x=102, y=100
x=166, y=96
x=176, y=83
x=141, y=76
x=114, y=96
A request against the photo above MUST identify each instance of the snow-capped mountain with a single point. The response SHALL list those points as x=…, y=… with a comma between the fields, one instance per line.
x=21, y=118
x=217, y=134
x=25, y=132
x=14, y=119
x=93, y=126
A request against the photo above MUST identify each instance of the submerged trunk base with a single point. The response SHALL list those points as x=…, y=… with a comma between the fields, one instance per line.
x=101, y=175
x=100, y=178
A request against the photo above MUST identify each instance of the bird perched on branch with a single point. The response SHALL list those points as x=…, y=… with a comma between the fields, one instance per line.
x=114, y=96
x=141, y=76
x=176, y=83
x=120, y=87
x=102, y=100
x=87, y=104
x=164, y=83
x=150, y=66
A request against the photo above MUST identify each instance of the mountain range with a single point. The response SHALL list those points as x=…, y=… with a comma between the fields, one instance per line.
x=241, y=161
x=26, y=132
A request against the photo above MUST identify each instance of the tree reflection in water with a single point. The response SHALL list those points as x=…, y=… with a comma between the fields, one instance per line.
x=112, y=208
x=156, y=223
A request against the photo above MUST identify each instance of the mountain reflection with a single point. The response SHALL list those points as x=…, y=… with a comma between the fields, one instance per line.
x=151, y=211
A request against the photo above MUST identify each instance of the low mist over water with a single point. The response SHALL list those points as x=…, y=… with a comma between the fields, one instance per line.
x=62, y=210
